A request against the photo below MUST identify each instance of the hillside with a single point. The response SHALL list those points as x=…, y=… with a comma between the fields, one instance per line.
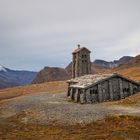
x=69, y=68
x=53, y=87
x=111, y=128
x=97, y=69
x=57, y=74
x=135, y=62
x=42, y=113
x=11, y=78
x=131, y=69
x=113, y=64
x=51, y=74
x=129, y=101
x=101, y=66
x=94, y=68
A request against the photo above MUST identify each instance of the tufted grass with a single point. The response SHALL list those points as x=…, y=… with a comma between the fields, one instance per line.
x=111, y=128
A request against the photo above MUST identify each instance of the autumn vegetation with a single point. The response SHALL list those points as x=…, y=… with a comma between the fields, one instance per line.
x=110, y=128
x=116, y=127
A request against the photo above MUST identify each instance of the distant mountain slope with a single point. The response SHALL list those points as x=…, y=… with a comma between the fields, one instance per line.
x=135, y=62
x=99, y=66
x=97, y=69
x=69, y=68
x=94, y=68
x=10, y=78
x=51, y=74
x=58, y=74
x=130, y=69
x=112, y=64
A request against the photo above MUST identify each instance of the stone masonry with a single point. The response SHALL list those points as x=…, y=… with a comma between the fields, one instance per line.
x=81, y=64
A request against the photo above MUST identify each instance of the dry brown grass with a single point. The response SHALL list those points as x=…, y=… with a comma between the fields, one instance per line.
x=50, y=87
x=132, y=72
x=112, y=128
x=133, y=101
x=61, y=86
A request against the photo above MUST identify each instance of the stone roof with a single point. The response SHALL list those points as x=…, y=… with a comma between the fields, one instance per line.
x=89, y=80
x=79, y=49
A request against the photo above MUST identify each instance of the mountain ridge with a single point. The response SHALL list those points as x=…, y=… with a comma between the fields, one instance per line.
x=113, y=64
x=47, y=73
x=11, y=78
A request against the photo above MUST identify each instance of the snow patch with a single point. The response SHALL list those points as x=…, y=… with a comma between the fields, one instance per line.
x=2, y=68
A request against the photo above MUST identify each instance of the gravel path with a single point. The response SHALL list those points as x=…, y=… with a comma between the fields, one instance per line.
x=47, y=108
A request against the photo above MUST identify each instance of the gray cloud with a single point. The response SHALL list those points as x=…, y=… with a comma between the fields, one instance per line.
x=35, y=33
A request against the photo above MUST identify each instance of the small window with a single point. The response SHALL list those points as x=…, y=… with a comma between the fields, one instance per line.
x=93, y=91
x=96, y=92
x=84, y=56
x=135, y=89
x=126, y=90
x=90, y=91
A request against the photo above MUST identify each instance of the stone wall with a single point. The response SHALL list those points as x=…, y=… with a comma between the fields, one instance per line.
x=81, y=64
x=109, y=90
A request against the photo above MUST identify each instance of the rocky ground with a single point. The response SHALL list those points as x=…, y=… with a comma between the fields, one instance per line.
x=52, y=116
x=48, y=108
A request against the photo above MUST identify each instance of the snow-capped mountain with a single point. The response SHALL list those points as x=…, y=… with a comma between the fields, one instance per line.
x=10, y=78
x=2, y=68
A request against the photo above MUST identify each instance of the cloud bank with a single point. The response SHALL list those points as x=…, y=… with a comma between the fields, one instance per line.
x=38, y=33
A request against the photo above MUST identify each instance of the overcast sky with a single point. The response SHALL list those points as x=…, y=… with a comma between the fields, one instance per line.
x=38, y=33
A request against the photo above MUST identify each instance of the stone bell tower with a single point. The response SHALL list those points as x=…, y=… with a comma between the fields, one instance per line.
x=81, y=64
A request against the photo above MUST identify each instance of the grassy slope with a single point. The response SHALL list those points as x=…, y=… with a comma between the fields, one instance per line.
x=133, y=101
x=112, y=128
x=131, y=69
x=51, y=87
x=132, y=72
x=61, y=86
